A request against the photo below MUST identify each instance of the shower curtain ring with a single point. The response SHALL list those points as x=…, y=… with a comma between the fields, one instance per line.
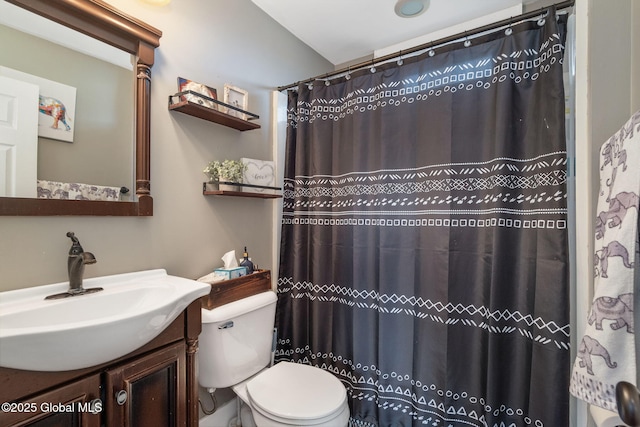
x=467, y=42
x=509, y=30
x=373, y=67
x=400, y=61
x=348, y=76
x=541, y=21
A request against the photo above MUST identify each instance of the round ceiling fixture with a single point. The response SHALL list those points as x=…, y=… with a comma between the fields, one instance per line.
x=411, y=8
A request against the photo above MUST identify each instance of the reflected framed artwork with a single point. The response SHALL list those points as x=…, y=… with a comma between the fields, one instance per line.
x=56, y=105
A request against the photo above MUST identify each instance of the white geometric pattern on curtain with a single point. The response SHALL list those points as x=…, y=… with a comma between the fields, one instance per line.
x=424, y=235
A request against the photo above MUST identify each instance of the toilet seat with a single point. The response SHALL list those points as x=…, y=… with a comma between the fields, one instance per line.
x=296, y=394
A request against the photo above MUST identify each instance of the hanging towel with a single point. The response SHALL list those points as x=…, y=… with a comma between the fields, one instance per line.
x=77, y=191
x=606, y=354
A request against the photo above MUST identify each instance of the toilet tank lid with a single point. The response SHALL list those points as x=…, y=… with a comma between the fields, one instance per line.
x=237, y=308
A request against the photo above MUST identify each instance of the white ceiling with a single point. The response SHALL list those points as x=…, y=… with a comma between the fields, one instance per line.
x=346, y=30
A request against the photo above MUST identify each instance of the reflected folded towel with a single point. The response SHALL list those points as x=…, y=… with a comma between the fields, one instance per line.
x=77, y=191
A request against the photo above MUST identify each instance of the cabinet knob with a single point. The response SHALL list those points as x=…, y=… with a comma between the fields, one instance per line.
x=121, y=397
x=95, y=406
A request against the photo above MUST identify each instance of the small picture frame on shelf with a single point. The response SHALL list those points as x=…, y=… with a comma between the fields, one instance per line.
x=189, y=85
x=238, y=98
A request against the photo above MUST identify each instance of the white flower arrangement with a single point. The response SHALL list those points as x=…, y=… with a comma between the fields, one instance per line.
x=226, y=171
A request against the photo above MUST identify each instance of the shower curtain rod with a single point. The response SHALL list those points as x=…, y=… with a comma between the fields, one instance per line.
x=432, y=44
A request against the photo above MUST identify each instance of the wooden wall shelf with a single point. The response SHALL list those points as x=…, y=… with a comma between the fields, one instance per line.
x=210, y=192
x=178, y=103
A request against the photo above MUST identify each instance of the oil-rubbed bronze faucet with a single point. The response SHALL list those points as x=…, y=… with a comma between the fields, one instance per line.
x=75, y=265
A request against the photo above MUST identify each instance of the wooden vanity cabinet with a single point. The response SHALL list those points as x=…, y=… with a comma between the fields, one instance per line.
x=148, y=391
x=153, y=386
x=38, y=410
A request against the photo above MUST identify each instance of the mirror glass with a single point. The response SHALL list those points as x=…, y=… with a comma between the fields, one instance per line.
x=93, y=142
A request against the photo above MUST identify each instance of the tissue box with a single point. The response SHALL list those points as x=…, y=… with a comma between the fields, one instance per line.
x=229, y=273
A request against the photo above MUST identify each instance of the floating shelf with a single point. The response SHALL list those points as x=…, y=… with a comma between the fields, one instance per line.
x=178, y=102
x=255, y=194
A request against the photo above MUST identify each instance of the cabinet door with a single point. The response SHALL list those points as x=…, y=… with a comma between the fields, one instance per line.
x=149, y=391
x=74, y=405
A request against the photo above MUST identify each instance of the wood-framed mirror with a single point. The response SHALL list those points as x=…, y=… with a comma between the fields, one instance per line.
x=103, y=22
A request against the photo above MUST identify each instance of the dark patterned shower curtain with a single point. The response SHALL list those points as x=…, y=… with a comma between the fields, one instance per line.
x=424, y=235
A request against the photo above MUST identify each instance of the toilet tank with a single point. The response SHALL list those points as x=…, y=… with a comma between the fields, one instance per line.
x=236, y=339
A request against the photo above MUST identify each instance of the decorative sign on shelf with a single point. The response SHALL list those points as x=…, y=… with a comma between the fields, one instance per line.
x=259, y=172
x=186, y=84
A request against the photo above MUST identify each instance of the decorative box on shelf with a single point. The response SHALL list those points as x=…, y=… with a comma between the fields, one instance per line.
x=183, y=102
x=228, y=291
x=241, y=190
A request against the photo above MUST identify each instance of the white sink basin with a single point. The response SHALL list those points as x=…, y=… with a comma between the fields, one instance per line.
x=86, y=330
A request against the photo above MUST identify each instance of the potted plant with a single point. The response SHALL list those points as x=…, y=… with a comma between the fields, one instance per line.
x=231, y=171
x=212, y=171
x=228, y=171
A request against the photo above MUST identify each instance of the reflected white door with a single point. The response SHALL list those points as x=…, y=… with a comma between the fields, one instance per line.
x=18, y=138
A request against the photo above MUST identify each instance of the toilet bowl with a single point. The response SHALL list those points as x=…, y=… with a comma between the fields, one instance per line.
x=291, y=394
x=235, y=351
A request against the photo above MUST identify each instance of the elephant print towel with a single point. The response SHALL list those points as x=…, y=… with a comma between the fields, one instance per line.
x=606, y=354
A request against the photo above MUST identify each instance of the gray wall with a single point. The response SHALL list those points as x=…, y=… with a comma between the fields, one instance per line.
x=635, y=56
x=610, y=66
x=213, y=42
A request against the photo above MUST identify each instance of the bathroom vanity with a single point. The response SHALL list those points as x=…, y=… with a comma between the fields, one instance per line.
x=155, y=385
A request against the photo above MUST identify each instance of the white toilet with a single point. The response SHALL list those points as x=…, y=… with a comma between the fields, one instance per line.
x=235, y=351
